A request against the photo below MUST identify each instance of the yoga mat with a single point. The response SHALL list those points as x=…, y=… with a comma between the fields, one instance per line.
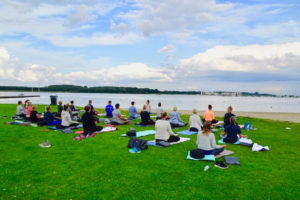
x=224, y=153
x=187, y=132
x=142, y=133
x=106, y=129
x=222, y=142
x=206, y=157
x=140, y=125
x=182, y=139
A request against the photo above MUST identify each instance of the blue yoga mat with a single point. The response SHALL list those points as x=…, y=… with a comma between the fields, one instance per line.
x=187, y=132
x=142, y=133
x=206, y=157
x=222, y=142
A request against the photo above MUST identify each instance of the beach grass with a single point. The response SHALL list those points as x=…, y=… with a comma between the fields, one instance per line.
x=102, y=168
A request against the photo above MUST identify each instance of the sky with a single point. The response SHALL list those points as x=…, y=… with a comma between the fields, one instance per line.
x=207, y=45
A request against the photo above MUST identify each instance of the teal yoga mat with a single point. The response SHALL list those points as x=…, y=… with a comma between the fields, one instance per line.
x=206, y=157
x=222, y=142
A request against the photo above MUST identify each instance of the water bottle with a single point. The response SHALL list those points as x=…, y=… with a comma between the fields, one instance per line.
x=206, y=167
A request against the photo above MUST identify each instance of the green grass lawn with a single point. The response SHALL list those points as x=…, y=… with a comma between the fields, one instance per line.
x=102, y=168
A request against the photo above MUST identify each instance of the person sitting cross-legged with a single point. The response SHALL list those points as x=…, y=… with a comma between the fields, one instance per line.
x=66, y=120
x=34, y=115
x=117, y=117
x=145, y=117
x=49, y=118
x=206, y=141
x=232, y=131
x=88, y=121
x=195, y=122
x=163, y=130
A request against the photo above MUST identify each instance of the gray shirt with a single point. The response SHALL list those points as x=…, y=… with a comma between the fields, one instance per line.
x=116, y=113
x=159, y=110
x=206, y=142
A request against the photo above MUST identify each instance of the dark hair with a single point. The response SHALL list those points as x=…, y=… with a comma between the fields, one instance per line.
x=148, y=101
x=117, y=106
x=48, y=108
x=66, y=107
x=159, y=104
x=19, y=102
x=87, y=108
x=164, y=114
x=132, y=103
x=90, y=101
x=209, y=107
x=109, y=102
x=72, y=101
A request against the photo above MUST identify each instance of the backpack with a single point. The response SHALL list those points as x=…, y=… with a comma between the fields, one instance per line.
x=138, y=143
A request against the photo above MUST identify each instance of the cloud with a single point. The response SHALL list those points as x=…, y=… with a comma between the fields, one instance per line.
x=250, y=58
x=167, y=49
x=14, y=70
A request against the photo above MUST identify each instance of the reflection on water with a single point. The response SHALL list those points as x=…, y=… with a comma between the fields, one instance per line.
x=183, y=102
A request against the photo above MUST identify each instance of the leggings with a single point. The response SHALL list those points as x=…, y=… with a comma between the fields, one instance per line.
x=229, y=140
x=192, y=129
x=214, y=151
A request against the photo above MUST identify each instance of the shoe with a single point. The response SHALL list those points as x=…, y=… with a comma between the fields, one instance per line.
x=46, y=144
x=220, y=164
x=134, y=150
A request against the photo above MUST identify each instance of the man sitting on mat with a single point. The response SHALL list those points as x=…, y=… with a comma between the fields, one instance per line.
x=210, y=116
x=133, y=112
x=195, y=122
x=145, y=116
x=206, y=141
x=117, y=117
x=109, y=109
x=163, y=130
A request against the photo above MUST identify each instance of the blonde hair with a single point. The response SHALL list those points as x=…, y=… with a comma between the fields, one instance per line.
x=206, y=128
x=175, y=108
x=195, y=111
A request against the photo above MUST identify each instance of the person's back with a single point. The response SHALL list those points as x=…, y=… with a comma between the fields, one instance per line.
x=116, y=113
x=159, y=110
x=20, y=110
x=59, y=109
x=195, y=122
x=209, y=116
x=227, y=116
x=28, y=110
x=162, y=129
x=232, y=131
x=109, y=109
x=132, y=112
x=145, y=117
x=87, y=120
x=48, y=117
x=206, y=142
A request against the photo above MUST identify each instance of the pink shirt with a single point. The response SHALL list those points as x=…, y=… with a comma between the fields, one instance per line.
x=28, y=111
x=209, y=115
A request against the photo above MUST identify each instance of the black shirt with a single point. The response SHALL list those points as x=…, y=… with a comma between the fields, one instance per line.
x=59, y=109
x=145, y=117
x=33, y=117
x=88, y=121
x=227, y=118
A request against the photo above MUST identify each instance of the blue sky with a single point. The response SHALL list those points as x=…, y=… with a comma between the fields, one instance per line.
x=170, y=45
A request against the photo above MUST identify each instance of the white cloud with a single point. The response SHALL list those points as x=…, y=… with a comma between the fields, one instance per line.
x=250, y=58
x=167, y=49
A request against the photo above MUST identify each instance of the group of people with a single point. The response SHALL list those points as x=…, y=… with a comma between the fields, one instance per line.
x=163, y=125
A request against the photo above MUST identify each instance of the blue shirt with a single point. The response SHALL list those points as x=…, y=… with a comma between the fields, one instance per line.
x=132, y=111
x=48, y=117
x=109, y=108
x=232, y=131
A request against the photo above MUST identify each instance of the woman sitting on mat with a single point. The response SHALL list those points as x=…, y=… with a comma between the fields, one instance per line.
x=209, y=116
x=28, y=109
x=206, y=141
x=145, y=116
x=232, y=131
x=148, y=106
x=175, y=119
x=163, y=130
x=49, y=118
x=227, y=116
x=66, y=120
x=34, y=115
x=20, y=110
x=117, y=117
x=195, y=122
x=88, y=121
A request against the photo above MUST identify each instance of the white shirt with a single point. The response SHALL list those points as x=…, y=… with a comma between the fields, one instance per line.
x=66, y=118
x=163, y=130
x=195, y=122
x=20, y=110
x=159, y=110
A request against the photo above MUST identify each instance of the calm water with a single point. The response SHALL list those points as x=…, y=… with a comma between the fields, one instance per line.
x=183, y=102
